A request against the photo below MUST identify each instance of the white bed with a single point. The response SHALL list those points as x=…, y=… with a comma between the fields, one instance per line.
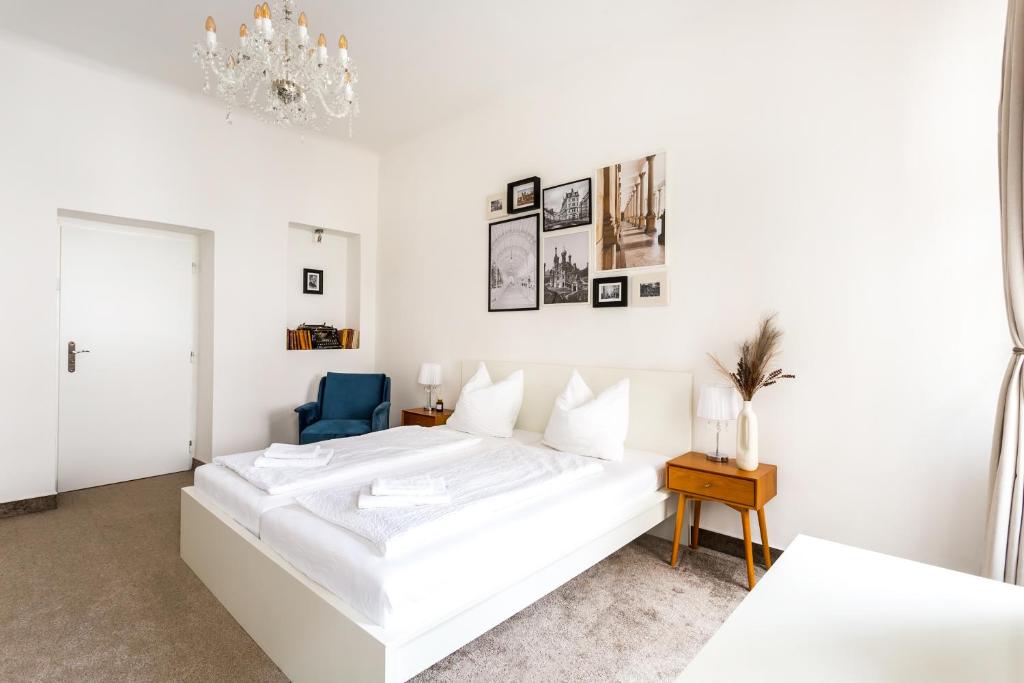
x=246, y=503
x=242, y=501
x=414, y=590
x=324, y=605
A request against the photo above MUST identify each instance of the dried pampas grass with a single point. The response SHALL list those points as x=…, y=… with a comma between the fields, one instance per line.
x=756, y=355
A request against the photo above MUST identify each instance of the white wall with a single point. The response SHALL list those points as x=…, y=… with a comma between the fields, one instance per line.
x=83, y=137
x=834, y=162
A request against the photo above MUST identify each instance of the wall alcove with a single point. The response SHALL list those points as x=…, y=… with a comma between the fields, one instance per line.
x=334, y=257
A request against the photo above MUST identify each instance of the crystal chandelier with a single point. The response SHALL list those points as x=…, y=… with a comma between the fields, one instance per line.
x=277, y=73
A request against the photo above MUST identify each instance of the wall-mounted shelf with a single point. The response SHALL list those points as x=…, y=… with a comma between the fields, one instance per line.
x=320, y=338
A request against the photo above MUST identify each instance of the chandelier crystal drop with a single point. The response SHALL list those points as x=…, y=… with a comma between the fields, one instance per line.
x=277, y=73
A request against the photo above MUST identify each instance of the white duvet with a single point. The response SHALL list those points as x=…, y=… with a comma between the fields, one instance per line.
x=355, y=458
x=481, y=486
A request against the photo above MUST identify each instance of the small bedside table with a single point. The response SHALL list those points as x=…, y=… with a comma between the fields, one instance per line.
x=424, y=417
x=694, y=476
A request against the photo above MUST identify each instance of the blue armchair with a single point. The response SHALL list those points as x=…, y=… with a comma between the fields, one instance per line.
x=346, y=405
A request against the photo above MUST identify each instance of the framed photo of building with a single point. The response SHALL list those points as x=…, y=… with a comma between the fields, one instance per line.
x=514, y=264
x=567, y=268
x=312, y=281
x=630, y=214
x=523, y=195
x=567, y=205
x=611, y=291
x=495, y=206
x=650, y=289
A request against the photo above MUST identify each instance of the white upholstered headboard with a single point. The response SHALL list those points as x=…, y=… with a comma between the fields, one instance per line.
x=659, y=400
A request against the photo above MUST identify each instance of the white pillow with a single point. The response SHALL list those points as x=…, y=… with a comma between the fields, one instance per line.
x=486, y=408
x=585, y=425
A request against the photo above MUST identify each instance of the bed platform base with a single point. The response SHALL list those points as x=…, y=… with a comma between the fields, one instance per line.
x=313, y=635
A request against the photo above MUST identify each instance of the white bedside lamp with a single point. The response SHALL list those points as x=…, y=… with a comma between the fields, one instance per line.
x=430, y=377
x=718, y=403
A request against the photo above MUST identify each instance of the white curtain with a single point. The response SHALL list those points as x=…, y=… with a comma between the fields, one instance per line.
x=1004, y=547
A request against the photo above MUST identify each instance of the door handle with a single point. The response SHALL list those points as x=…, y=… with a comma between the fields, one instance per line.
x=71, y=355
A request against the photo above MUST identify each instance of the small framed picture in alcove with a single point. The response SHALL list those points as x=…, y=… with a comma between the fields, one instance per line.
x=312, y=281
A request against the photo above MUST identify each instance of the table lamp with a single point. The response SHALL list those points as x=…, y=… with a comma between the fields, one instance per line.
x=718, y=403
x=430, y=377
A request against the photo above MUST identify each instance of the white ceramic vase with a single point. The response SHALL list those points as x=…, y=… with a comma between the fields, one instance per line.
x=746, y=438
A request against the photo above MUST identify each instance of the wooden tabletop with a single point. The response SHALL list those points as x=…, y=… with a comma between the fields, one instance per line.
x=426, y=412
x=697, y=461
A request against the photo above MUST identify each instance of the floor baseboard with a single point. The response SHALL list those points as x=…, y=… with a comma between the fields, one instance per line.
x=27, y=505
x=733, y=546
x=196, y=463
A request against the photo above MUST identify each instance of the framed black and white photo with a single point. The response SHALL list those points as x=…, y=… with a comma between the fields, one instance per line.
x=611, y=291
x=568, y=205
x=567, y=268
x=523, y=195
x=650, y=289
x=514, y=264
x=312, y=281
x=495, y=206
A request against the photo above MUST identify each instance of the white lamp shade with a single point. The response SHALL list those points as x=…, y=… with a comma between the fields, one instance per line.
x=430, y=374
x=718, y=402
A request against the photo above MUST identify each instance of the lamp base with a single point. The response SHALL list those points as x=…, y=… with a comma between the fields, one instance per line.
x=716, y=457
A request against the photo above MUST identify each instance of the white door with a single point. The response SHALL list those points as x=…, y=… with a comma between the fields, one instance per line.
x=127, y=396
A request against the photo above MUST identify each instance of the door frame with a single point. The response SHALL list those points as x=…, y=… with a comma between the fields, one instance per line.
x=197, y=295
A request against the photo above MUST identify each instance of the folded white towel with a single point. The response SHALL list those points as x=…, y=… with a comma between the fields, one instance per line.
x=287, y=451
x=369, y=501
x=295, y=463
x=425, y=485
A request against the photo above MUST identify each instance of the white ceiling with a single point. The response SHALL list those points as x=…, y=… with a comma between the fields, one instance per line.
x=420, y=62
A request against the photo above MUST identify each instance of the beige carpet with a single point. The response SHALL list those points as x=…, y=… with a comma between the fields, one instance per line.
x=95, y=591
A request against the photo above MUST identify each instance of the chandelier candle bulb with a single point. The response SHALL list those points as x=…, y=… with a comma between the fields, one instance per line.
x=243, y=35
x=268, y=27
x=321, y=49
x=303, y=29
x=211, y=34
x=343, y=49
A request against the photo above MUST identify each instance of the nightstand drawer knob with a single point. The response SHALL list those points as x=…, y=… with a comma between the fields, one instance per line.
x=707, y=485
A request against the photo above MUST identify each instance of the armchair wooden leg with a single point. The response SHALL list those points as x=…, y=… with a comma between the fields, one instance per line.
x=748, y=547
x=695, y=525
x=762, y=525
x=680, y=511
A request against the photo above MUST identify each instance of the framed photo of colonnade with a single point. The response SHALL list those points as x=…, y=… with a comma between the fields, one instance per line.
x=513, y=270
x=629, y=225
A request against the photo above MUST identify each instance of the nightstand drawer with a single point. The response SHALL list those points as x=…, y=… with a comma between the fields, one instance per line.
x=422, y=418
x=715, y=486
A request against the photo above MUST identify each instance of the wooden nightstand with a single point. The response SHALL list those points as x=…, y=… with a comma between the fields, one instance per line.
x=694, y=476
x=424, y=417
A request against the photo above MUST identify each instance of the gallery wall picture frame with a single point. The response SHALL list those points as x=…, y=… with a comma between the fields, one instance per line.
x=568, y=205
x=496, y=206
x=513, y=264
x=629, y=222
x=650, y=289
x=523, y=195
x=312, y=281
x=566, y=268
x=610, y=292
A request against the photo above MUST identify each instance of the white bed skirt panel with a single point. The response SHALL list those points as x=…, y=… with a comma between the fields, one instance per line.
x=312, y=635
